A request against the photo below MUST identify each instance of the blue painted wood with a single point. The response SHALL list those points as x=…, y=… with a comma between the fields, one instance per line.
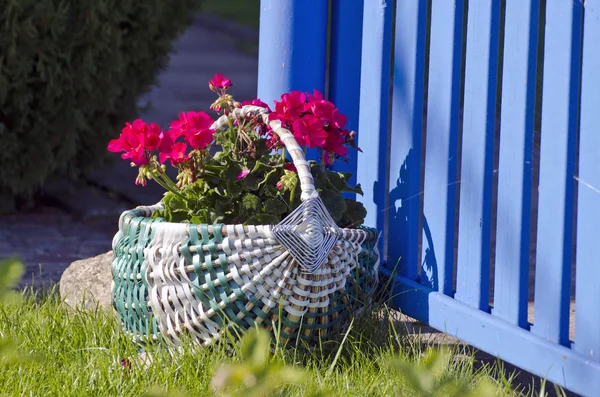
x=290, y=55
x=344, y=69
x=406, y=138
x=557, y=165
x=477, y=166
x=497, y=337
x=441, y=160
x=373, y=116
x=587, y=330
x=516, y=162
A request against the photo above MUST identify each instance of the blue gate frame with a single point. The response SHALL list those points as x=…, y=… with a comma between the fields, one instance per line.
x=445, y=168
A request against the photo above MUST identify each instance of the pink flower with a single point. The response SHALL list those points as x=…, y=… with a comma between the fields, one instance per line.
x=290, y=107
x=308, y=131
x=255, y=102
x=195, y=128
x=137, y=139
x=279, y=185
x=177, y=154
x=319, y=107
x=242, y=175
x=219, y=81
x=290, y=167
x=335, y=143
x=338, y=120
x=200, y=139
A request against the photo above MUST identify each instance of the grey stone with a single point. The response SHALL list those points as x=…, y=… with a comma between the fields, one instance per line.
x=88, y=282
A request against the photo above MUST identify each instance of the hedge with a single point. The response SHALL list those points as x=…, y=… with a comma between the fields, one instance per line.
x=71, y=72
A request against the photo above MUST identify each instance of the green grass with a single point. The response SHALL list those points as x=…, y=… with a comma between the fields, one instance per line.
x=79, y=353
x=243, y=12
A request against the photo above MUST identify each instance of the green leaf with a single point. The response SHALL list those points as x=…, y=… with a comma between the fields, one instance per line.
x=234, y=188
x=354, y=215
x=11, y=271
x=335, y=203
x=250, y=202
x=263, y=219
x=251, y=182
x=275, y=206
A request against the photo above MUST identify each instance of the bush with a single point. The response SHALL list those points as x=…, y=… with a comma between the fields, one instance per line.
x=71, y=72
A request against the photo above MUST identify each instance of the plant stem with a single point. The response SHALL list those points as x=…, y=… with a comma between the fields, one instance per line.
x=283, y=156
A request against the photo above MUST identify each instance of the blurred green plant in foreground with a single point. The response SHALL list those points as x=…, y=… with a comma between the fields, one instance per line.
x=11, y=271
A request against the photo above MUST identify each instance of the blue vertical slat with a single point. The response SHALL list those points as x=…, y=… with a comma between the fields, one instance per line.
x=516, y=163
x=344, y=69
x=557, y=165
x=292, y=48
x=587, y=331
x=477, y=166
x=373, y=116
x=407, y=130
x=441, y=160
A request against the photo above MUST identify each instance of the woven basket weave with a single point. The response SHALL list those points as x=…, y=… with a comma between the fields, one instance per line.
x=303, y=276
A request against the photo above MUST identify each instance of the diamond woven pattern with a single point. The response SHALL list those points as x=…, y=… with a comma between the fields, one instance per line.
x=201, y=280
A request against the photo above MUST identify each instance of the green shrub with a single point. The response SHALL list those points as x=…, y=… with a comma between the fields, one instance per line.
x=71, y=72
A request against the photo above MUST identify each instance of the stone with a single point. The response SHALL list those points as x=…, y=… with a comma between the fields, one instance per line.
x=88, y=282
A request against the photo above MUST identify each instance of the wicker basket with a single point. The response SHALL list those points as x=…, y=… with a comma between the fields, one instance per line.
x=303, y=276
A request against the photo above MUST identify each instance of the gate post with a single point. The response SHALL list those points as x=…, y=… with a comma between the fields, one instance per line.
x=292, y=47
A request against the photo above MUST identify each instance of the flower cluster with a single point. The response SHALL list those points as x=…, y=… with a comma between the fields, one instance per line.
x=247, y=177
x=315, y=123
x=141, y=142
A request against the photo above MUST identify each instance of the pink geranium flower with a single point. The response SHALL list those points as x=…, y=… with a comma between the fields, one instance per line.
x=177, y=155
x=194, y=127
x=137, y=139
x=219, y=81
x=255, y=102
x=242, y=175
x=308, y=131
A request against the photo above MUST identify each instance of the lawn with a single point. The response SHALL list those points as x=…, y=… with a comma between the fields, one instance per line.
x=242, y=12
x=69, y=352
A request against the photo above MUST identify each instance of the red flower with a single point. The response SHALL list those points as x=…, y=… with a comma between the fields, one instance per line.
x=219, y=81
x=255, y=102
x=242, y=175
x=290, y=167
x=177, y=154
x=335, y=143
x=290, y=107
x=195, y=128
x=308, y=131
x=200, y=139
x=338, y=120
x=137, y=140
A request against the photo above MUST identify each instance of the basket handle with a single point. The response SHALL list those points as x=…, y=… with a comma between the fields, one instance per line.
x=307, y=186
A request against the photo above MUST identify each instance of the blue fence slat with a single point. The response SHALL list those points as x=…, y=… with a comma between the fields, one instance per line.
x=344, y=68
x=406, y=139
x=557, y=165
x=371, y=170
x=477, y=166
x=516, y=162
x=499, y=338
x=587, y=330
x=290, y=55
x=441, y=161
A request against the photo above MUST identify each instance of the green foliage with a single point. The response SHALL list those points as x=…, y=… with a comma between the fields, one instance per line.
x=79, y=351
x=255, y=199
x=256, y=375
x=71, y=72
x=266, y=194
x=11, y=271
x=429, y=377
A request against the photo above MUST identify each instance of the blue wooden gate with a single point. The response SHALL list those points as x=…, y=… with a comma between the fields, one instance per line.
x=447, y=96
